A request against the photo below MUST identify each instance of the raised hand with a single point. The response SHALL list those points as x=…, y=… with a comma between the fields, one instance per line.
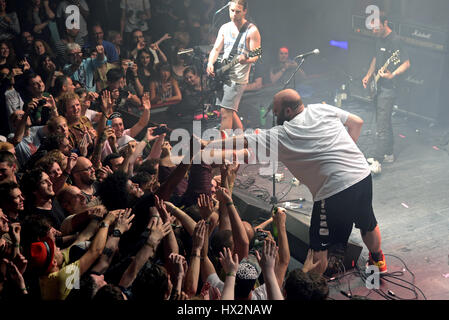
x=179, y=264
x=83, y=146
x=21, y=262
x=96, y=212
x=223, y=195
x=158, y=231
x=103, y=173
x=135, y=69
x=165, y=37
x=199, y=235
x=308, y=264
x=280, y=217
x=14, y=231
x=206, y=206
x=146, y=103
x=112, y=216
x=106, y=103
x=268, y=259
x=100, y=50
x=141, y=45
x=230, y=263
x=160, y=206
x=92, y=96
x=50, y=102
x=124, y=221
x=71, y=162
x=131, y=147
x=14, y=274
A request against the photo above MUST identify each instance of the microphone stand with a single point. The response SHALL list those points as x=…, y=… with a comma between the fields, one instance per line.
x=274, y=199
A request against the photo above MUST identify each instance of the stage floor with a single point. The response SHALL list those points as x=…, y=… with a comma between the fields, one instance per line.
x=411, y=202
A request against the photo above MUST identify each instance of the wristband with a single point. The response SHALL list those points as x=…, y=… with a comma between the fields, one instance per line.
x=229, y=204
x=150, y=245
x=104, y=225
x=230, y=274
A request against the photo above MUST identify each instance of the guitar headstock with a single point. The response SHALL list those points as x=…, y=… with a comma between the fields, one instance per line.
x=255, y=53
x=395, y=59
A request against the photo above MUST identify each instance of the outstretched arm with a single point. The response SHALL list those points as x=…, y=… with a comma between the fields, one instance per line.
x=241, y=242
x=267, y=262
x=157, y=232
x=144, y=119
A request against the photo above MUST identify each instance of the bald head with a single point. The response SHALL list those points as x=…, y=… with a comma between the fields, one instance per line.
x=249, y=230
x=83, y=173
x=287, y=105
x=71, y=199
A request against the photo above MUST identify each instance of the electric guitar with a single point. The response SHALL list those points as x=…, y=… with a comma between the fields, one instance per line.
x=373, y=89
x=222, y=67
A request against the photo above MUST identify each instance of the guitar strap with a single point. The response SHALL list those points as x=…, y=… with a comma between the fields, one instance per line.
x=237, y=41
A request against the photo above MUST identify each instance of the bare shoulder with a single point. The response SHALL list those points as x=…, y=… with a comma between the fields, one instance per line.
x=253, y=30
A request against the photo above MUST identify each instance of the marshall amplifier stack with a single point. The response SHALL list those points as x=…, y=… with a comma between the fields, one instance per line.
x=423, y=89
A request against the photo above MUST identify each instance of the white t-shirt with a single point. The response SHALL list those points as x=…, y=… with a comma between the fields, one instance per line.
x=123, y=140
x=91, y=115
x=61, y=13
x=134, y=9
x=318, y=150
x=14, y=102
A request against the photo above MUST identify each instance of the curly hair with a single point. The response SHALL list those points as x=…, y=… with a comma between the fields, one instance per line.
x=52, y=124
x=34, y=228
x=46, y=162
x=29, y=184
x=305, y=286
x=109, y=292
x=64, y=99
x=151, y=276
x=113, y=192
x=58, y=157
x=5, y=192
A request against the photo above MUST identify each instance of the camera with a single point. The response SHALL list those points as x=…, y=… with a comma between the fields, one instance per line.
x=160, y=130
x=258, y=240
x=130, y=64
x=41, y=103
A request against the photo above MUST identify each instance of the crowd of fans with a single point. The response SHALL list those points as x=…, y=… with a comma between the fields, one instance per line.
x=89, y=212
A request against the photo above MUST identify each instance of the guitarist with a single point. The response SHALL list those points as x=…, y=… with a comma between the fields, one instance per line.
x=248, y=37
x=387, y=44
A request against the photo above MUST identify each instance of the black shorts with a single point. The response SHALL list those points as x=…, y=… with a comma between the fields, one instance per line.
x=333, y=218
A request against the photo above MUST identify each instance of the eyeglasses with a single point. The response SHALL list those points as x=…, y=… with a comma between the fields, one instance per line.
x=91, y=168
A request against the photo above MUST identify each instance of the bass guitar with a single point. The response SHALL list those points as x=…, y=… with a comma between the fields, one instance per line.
x=373, y=88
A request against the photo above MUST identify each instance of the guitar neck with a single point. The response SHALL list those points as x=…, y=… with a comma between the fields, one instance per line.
x=229, y=65
x=382, y=69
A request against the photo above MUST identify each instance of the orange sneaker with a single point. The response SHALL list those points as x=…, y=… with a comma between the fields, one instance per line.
x=381, y=264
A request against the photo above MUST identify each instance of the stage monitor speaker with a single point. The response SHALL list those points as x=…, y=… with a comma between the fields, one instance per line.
x=360, y=54
x=420, y=87
x=298, y=224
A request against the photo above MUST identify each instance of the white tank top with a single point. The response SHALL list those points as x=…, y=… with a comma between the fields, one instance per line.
x=240, y=72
